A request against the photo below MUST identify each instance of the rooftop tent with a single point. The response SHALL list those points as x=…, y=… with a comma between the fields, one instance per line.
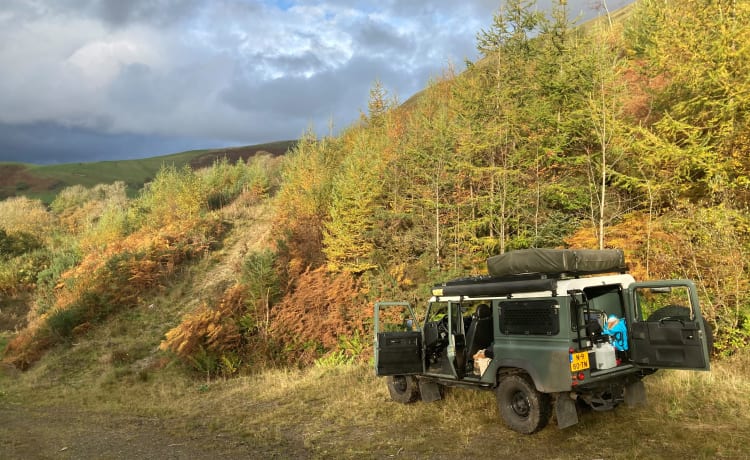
x=557, y=261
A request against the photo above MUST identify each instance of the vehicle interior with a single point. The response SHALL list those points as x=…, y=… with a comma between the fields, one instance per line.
x=471, y=325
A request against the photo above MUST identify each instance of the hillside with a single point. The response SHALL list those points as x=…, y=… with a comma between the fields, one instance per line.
x=220, y=303
x=110, y=392
x=46, y=181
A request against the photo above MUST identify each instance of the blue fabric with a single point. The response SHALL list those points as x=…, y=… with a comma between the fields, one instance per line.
x=619, y=334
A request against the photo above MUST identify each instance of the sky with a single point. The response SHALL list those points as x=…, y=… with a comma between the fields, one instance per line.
x=93, y=80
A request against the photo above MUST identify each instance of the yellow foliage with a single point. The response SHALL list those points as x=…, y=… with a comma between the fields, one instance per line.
x=20, y=214
x=398, y=272
x=633, y=235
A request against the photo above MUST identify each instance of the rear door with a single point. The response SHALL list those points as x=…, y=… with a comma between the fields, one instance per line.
x=398, y=340
x=667, y=329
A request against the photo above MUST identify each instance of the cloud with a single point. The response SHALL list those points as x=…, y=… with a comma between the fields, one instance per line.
x=94, y=73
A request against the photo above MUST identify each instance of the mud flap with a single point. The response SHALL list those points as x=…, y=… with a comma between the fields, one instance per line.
x=635, y=394
x=565, y=411
x=430, y=391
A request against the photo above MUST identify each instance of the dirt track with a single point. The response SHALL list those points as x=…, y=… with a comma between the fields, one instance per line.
x=34, y=433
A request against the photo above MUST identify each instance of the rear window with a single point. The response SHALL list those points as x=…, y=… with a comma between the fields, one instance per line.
x=530, y=317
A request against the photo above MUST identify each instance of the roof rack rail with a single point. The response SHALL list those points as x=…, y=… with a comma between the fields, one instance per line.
x=490, y=287
x=487, y=285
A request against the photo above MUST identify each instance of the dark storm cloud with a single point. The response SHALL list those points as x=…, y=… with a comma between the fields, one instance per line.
x=49, y=143
x=336, y=95
x=293, y=66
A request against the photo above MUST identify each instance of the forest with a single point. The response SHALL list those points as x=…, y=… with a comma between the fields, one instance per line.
x=630, y=132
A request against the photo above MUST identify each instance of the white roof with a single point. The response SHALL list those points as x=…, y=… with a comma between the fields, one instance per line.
x=563, y=286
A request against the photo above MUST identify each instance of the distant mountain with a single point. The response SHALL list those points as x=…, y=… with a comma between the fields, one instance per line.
x=45, y=181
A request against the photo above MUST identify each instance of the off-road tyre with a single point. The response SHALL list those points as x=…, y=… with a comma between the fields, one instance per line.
x=680, y=312
x=521, y=406
x=403, y=388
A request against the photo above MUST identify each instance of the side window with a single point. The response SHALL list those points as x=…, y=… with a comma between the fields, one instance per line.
x=395, y=318
x=530, y=317
x=436, y=325
x=438, y=311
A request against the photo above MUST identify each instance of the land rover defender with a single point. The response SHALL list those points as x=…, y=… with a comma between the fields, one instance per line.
x=545, y=330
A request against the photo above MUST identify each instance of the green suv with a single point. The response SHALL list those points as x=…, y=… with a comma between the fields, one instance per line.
x=547, y=329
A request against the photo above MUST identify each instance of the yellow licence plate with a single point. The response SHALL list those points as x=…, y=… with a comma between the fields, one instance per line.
x=579, y=361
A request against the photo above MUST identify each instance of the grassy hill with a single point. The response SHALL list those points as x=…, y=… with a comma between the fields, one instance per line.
x=45, y=181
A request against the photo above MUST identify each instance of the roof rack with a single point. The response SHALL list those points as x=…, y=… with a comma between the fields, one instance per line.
x=487, y=285
x=491, y=286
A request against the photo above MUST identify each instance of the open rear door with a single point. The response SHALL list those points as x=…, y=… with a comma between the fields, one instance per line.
x=398, y=341
x=668, y=330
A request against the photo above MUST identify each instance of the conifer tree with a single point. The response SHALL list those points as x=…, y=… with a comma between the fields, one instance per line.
x=494, y=122
x=348, y=234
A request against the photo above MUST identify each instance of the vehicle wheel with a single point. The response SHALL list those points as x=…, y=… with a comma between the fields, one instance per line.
x=403, y=388
x=521, y=406
x=680, y=312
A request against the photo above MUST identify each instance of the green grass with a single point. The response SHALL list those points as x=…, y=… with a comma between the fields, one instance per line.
x=115, y=371
x=132, y=172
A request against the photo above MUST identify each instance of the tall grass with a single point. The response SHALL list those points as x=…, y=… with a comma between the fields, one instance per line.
x=345, y=412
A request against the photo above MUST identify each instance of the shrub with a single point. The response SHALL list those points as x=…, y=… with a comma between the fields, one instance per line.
x=260, y=278
x=62, y=322
x=321, y=310
x=12, y=245
x=210, y=332
x=48, y=278
x=173, y=196
x=19, y=274
x=225, y=182
x=82, y=210
x=22, y=215
x=113, y=278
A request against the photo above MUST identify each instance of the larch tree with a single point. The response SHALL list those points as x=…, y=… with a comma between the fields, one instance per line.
x=494, y=116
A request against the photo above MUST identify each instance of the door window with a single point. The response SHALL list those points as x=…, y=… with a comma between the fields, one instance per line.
x=396, y=318
x=656, y=303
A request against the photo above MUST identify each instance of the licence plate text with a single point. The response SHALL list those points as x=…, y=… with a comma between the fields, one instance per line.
x=579, y=361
